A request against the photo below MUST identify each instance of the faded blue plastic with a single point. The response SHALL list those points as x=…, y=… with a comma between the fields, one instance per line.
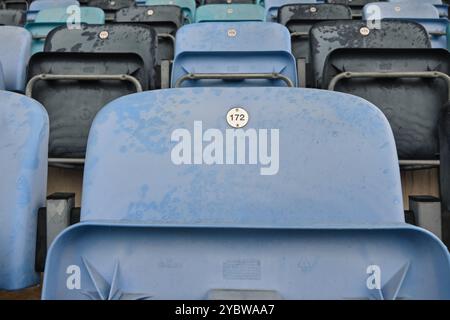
x=246, y=52
x=39, y=5
x=152, y=229
x=145, y=262
x=23, y=167
x=442, y=8
x=404, y=10
x=89, y=15
x=134, y=132
x=229, y=12
x=271, y=6
x=188, y=6
x=438, y=30
x=14, y=55
x=48, y=19
x=425, y=14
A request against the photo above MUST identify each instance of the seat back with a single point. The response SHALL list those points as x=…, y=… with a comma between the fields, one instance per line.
x=442, y=7
x=181, y=160
x=12, y=17
x=272, y=6
x=111, y=7
x=187, y=6
x=328, y=36
x=37, y=6
x=72, y=105
x=299, y=18
x=89, y=15
x=424, y=13
x=406, y=10
x=14, y=4
x=48, y=19
x=239, y=51
x=23, y=164
x=229, y=12
x=205, y=2
x=14, y=56
x=355, y=5
x=165, y=20
x=415, y=97
x=117, y=37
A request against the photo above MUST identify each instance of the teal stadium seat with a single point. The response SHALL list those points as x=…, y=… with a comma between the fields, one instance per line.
x=188, y=6
x=48, y=19
x=229, y=12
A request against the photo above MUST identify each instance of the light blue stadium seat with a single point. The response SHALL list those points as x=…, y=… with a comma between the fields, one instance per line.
x=48, y=19
x=271, y=6
x=188, y=6
x=14, y=55
x=39, y=5
x=240, y=55
x=229, y=12
x=176, y=207
x=442, y=7
x=88, y=15
x=424, y=13
x=23, y=167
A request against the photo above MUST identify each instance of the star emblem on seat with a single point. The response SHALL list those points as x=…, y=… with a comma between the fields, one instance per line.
x=105, y=290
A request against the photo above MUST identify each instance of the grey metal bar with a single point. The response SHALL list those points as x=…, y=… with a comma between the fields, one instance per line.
x=421, y=74
x=299, y=34
x=419, y=162
x=165, y=74
x=167, y=36
x=437, y=33
x=301, y=72
x=39, y=37
x=87, y=77
x=233, y=76
x=66, y=160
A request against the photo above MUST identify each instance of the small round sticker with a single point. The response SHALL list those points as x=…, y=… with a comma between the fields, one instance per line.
x=232, y=32
x=364, y=31
x=237, y=117
x=103, y=35
x=112, y=3
x=313, y=9
x=150, y=12
x=398, y=9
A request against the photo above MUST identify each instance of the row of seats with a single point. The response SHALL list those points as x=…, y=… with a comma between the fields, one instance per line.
x=297, y=17
x=237, y=58
x=132, y=184
x=215, y=10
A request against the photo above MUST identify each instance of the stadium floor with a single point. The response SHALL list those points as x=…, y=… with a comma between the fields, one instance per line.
x=32, y=293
